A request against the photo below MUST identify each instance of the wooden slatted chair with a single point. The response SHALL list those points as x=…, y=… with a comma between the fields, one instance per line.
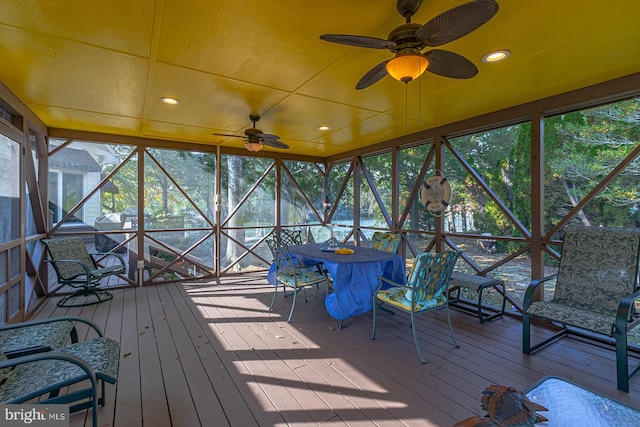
x=427, y=290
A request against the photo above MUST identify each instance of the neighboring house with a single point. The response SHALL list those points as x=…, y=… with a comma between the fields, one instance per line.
x=73, y=173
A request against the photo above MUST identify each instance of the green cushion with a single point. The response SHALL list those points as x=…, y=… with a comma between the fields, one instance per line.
x=45, y=336
x=398, y=298
x=299, y=277
x=31, y=379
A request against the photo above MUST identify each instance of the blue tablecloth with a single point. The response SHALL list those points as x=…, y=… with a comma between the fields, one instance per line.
x=355, y=276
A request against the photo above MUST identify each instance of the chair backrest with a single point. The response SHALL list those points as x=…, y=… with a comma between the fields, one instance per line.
x=429, y=277
x=281, y=256
x=289, y=237
x=69, y=248
x=320, y=234
x=387, y=242
x=598, y=267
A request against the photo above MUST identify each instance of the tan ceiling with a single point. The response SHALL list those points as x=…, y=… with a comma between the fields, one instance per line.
x=103, y=66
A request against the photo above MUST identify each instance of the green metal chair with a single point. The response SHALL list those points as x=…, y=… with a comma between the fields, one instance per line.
x=427, y=290
x=388, y=242
x=293, y=275
x=595, y=290
x=75, y=267
x=21, y=339
x=45, y=375
x=288, y=237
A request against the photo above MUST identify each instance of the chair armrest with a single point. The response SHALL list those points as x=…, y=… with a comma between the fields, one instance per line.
x=383, y=280
x=105, y=254
x=54, y=261
x=528, y=296
x=52, y=355
x=625, y=310
x=51, y=320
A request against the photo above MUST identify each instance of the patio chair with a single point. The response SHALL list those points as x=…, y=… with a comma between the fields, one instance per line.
x=595, y=290
x=288, y=237
x=323, y=234
x=45, y=375
x=293, y=275
x=75, y=267
x=21, y=339
x=388, y=242
x=426, y=291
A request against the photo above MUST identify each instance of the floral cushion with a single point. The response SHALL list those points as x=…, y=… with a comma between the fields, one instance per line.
x=45, y=336
x=102, y=353
x=387, y=242
x=69, y=248
x=585, y=319
x=32, y=379
x=427, y=283
x=597, y=269
x=299, y=277
x=77, y=260
x=398, y=298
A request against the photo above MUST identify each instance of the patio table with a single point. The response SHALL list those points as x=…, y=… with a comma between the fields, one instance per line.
x=355, y=276
x=571, y=405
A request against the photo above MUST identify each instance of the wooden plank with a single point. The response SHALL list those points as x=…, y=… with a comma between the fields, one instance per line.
x=213, y=348
x=153, y=397
x=181, y=406
x=227, y=393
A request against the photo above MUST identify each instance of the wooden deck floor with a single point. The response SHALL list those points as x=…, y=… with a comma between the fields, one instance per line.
x=212, y=354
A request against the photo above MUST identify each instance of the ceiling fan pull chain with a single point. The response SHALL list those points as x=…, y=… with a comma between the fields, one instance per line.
x=406, y=106
x=420, y=101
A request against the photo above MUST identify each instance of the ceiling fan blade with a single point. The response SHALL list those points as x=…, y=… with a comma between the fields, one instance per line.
x=275, y=144
x=457, y=22
x=267, y=136
x=373, y=75
x=227, y=135
x=450, y=64
x=360, y=41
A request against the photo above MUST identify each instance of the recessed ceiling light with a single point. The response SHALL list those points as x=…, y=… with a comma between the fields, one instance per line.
x=169, y=100
x=323, y=127
x=496, y=56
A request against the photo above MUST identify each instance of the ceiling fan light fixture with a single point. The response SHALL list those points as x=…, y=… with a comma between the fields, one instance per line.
x=408, y=65
x=254, y=147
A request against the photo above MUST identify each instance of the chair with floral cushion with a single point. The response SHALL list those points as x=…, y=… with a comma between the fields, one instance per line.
x=595, y=290
x=426, y=290
x=75, y=267
x=20, y=339
x=46, y=376
x=388, y=242
x=293, y=275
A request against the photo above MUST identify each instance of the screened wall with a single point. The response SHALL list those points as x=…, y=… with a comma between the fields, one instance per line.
x=193, y=215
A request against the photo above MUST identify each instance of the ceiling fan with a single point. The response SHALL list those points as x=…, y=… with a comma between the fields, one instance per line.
x=255, y=139
x=409, y=39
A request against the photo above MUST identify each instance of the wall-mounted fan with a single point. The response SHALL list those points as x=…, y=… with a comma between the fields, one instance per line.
x=435, y=194
x=409, y=39
x=255, y=139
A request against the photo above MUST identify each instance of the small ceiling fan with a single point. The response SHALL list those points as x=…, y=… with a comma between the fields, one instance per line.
x=255, y=139
x=409, y=39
